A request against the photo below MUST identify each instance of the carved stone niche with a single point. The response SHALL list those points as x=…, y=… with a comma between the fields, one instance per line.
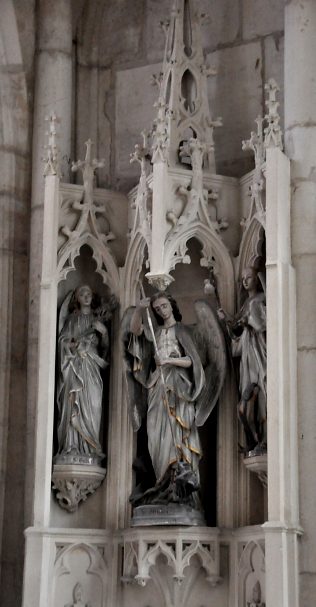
x=142, y=547
x=82, y=382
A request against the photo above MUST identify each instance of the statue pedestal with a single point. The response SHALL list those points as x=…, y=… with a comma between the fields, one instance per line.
x=259, y=465
x=166, y=514
x=75, y=482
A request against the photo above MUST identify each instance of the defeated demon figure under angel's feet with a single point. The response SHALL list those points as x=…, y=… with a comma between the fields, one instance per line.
x=175, y=374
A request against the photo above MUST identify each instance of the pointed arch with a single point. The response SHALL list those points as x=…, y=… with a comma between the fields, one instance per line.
x=251, y=570
x=101, y=254
x=251, y=245
x=135, y=258
x=83, y=560
x=212, y=247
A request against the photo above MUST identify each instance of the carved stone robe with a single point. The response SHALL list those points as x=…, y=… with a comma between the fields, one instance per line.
x=170, y=421
x=80, y=386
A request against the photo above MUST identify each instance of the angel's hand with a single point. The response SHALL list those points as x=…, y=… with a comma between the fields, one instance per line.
x=159, y=361
x=221, y=314
x=73, y=344
x=176, y=361
x=144, y=303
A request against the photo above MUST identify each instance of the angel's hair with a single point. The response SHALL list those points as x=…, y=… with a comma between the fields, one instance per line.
x=74, y=305
x=253, y=269
x=176, y=312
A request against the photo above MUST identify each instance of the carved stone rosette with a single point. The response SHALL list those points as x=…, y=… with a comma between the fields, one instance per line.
x=75, y=482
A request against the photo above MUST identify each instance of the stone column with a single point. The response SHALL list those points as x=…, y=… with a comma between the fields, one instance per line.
x=282, y=528
x=300, y=141
x=53, y=93
x=14, y=234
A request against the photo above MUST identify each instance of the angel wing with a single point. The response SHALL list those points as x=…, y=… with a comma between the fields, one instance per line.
x=210, y=343
x=136, y=393
x=64, y=311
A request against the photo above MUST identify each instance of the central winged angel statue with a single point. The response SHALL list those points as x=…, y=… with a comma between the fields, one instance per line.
x=175, y=374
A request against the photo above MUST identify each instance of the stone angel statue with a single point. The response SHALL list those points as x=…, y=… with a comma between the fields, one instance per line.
x=83, y=346
x=247, y=331
x=175, y=374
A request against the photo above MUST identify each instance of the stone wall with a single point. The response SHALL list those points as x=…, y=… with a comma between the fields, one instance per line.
x=119, y=45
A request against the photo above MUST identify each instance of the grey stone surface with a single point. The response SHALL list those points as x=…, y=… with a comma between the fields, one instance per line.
x=171, y=514
x=235, y=93
x=222, y=26
x=111, y=31
x=135, y=98
x=95, y=117
x=262, y=18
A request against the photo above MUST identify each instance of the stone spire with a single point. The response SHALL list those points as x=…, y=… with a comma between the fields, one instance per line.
x=183, y=108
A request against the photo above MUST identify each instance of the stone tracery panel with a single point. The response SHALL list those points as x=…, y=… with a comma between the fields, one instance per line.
x=251, y=575
x=80, y=576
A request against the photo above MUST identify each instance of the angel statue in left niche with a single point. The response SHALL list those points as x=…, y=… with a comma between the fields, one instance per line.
x=83, y=347
x=174, y=376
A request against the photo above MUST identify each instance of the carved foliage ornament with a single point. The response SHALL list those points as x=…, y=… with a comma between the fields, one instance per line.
x=266, y=137
x=74, y=484
x=52, y=159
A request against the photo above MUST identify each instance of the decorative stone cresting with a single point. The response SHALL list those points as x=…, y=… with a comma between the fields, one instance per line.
x=74, y=483
x=265, y=137
x=183, y=105
x=52, y=159
x=173, y=202
x=79, y=225
x=142, y=547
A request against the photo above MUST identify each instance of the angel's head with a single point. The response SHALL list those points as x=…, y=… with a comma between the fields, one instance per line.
x=163, y=307
x=83, y=296
x=250, y=279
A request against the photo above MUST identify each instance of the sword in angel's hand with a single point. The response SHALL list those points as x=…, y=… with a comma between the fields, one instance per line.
x=163, y=383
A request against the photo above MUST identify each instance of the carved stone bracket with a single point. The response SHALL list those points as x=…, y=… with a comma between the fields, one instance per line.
x=160, y=282
x=75, y=482
x=142, y=547
x=258, y=464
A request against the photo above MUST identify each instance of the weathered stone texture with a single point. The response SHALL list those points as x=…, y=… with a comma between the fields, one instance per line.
x=135, y=98
x=222, y=25
x=262, y=18
x=235, y=94
x=112, y=31
x=94, y=89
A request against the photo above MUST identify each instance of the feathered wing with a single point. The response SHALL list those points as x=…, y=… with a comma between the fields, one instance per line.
x=64, y=311
x=210, y=343
x=134, y=353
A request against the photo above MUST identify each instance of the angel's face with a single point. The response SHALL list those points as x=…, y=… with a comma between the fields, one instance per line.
x=84, y=296
x=163, y=308
x=249, y=279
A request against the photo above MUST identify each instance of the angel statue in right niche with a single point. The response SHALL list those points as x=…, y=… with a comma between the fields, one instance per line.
x=247, y=331
x=175, y=374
